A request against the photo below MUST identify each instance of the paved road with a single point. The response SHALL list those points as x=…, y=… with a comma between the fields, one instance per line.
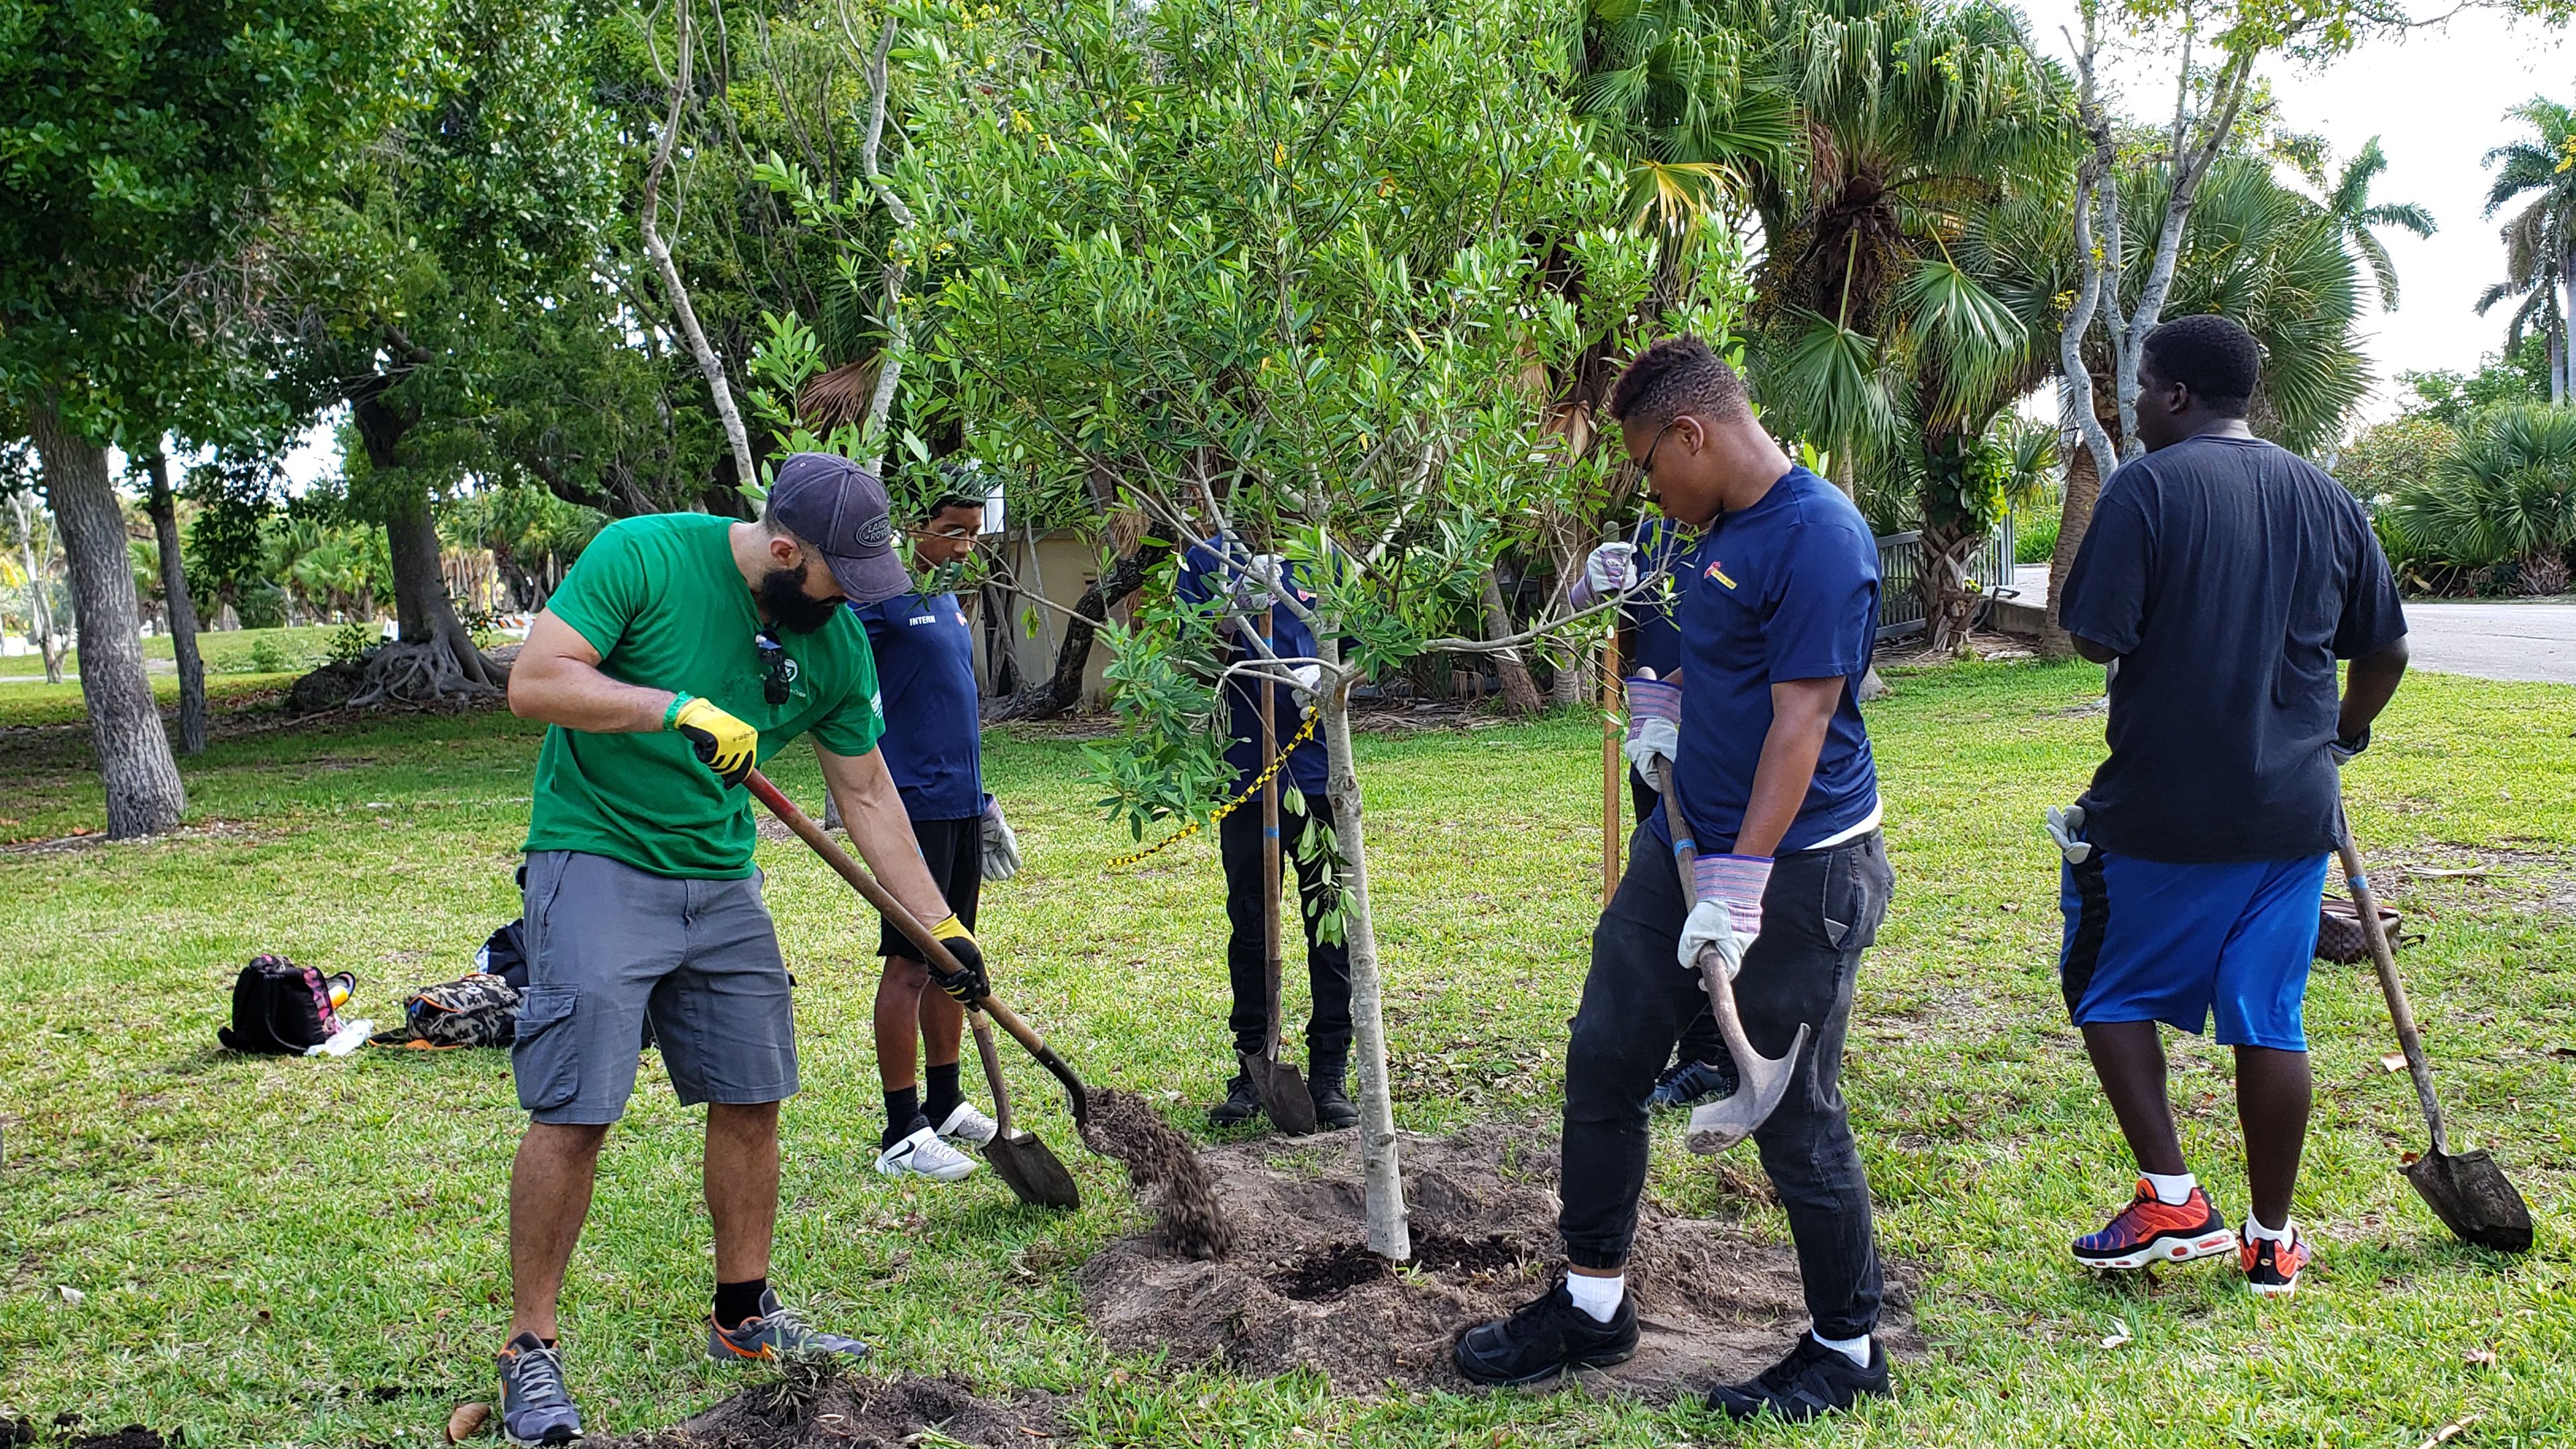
x=2495, y=641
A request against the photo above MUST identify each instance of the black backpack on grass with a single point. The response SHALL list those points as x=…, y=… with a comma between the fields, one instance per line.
x=280, y=1008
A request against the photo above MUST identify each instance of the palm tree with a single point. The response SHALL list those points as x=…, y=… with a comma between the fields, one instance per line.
x=2540, y=239
x=2506, y=494
x=1889, y=329
x=2358, y=219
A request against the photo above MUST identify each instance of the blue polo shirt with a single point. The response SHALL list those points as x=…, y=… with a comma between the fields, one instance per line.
x=933, y=743
x=1197, y=583
x=1784, y=590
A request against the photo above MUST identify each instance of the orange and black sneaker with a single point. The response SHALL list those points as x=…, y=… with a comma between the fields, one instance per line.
x=2271, y=1266
x=2149, y=1231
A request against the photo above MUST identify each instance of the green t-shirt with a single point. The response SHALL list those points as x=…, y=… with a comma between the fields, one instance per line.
x=663, y=602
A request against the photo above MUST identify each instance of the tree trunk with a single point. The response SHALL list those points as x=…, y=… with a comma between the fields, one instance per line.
x=1948, y=607
x=182, y=609
x=442, y=653
x=2558, y=363
x=144, y=795
x=2074, y=515
x=1061, y=690
x=1390, y=1231
x=1520, y=691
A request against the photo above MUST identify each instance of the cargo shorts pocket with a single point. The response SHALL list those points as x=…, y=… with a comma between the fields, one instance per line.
x=546, y=1059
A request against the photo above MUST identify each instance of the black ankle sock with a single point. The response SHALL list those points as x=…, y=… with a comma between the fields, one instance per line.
x=902, y=1107
x=738, y=1301
x=939, y=1095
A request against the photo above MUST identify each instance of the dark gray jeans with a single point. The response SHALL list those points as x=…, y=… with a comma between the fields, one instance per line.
x=1821, y=910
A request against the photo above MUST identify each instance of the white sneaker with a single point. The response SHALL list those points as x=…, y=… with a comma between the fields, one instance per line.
x=968, y=1126
x=923, y=1155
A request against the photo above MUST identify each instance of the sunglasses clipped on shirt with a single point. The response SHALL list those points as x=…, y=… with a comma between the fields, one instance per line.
x=779, y=670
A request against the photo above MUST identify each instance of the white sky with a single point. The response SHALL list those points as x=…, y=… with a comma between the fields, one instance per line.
x=2436, y=100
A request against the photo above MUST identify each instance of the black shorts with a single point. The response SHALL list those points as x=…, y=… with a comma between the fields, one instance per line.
x=954, y=851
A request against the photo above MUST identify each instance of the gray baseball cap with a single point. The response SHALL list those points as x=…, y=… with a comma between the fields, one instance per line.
x=840, y=508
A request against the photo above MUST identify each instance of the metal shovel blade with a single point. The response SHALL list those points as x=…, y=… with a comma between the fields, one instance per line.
x=1033, y=1173
x=1284, y=1097
x=1760, y=1081
x=2473, y=1198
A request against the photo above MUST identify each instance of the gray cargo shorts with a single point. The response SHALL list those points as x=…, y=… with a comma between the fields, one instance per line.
x=609, y=945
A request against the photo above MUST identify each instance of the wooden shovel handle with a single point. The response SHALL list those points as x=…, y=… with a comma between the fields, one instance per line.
x=2384, y=959
x=913, y=930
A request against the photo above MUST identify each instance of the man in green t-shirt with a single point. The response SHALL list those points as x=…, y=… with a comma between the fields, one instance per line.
x=680, y=651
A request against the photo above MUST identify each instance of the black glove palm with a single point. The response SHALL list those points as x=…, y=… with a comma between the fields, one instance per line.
x=967, y=983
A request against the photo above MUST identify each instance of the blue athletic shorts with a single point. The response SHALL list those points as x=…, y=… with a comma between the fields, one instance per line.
x=2150, y=940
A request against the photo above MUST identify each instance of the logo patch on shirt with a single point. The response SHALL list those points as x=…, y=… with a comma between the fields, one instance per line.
x=1717, y=570
x=918, y=620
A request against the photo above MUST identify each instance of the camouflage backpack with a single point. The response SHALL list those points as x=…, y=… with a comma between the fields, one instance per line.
x=471, y=1011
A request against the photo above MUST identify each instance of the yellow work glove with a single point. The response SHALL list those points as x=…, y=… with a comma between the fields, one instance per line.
x=968, y=983
x=724, y=744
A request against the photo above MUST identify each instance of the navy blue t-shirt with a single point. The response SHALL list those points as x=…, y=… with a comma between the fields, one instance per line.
x=1784, y=590
x=933, y=744
x=2229, y=575
x=1308, y=765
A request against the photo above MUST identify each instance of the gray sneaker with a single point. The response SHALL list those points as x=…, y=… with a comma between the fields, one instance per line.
x=534, y=1407
x=777, y=1332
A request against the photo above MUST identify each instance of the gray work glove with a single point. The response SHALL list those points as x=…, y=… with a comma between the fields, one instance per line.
x=1001, y=847
x=1726, y=912
x=2066, y=827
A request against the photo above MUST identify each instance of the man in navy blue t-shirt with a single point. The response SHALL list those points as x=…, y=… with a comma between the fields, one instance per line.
x=933, y=747
x=1778, y=789
x=1208, y=573
x=2225, y=576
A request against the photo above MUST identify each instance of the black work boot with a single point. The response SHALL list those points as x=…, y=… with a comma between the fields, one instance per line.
x=1546, y=1337
x=1813, y=1380
x=1242, y=1103
x=1327, y=1083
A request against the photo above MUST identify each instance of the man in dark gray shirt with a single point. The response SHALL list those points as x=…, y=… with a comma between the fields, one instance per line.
x=2226, y=576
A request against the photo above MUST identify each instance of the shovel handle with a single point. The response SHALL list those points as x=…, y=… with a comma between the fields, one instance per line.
x=913, y=930
x=993, y=1082
x=2384, y=960
x=1611, y=760
x=1712, y=976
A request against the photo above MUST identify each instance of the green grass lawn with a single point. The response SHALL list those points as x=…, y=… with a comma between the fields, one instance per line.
x=293, y=1252
x=225, y=651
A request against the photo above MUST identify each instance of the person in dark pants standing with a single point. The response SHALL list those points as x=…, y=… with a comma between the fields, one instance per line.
x=2226, y=576
x=1779, y=791
x=1701, y=1068
x=1206, y=574
x=933, y=746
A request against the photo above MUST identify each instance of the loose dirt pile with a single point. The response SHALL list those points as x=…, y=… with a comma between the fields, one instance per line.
x=1300, y=1290
x=1165, y=1168
x=852, y=1412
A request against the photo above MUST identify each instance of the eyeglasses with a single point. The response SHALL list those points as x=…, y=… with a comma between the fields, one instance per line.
x=1647, y=467
x=780, y=670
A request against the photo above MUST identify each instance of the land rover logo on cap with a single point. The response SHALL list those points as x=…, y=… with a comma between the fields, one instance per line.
x=877, y=532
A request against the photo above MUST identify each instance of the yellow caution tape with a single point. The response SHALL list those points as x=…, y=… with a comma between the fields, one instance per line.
x=1229, y=807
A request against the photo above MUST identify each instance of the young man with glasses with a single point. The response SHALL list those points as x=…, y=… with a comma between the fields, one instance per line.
x=933, y=746
x=680, y=650
x=1778, y=791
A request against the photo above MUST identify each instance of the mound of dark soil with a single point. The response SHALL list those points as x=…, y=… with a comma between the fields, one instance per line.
x=1300, y=1290
x=860, y=1413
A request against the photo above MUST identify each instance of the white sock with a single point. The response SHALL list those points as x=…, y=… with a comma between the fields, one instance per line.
x=1855, y=1349
x=2287, y=1232
x=2173, y=1189
x=1597, y=1296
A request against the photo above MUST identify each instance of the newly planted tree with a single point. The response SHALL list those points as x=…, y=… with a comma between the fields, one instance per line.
x=1266, y=278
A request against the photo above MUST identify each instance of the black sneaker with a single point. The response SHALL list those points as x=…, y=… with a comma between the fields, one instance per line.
x=1546, y=1337
x=1242, y=1103
x=1812, y=1380
x=1687, y=1084
x=1333, y=1105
